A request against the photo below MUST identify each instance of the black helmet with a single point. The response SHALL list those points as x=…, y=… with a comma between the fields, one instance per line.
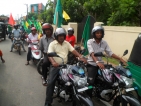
x=15, y=26
x=71, y=29
x=60, y=31
x=47, y=26
x=97, y=28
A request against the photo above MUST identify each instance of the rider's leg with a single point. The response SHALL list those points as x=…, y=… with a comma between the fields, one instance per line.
x=28, y=55
x=46, y=63
x=92, y=72
x=12, y=45
x=23, y=47
x=51, y=84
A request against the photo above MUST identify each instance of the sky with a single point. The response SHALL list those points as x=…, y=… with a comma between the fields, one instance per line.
x=17, y=7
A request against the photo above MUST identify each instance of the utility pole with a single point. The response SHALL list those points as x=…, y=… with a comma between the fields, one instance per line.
x=27, y=11
x=54, y=5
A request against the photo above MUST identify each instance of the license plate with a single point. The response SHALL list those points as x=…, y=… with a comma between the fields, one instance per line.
x=85, y=88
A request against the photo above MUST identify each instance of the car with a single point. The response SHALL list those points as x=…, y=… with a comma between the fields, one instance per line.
x=2, y=30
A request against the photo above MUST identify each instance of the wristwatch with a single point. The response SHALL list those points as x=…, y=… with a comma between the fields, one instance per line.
x=97, y=62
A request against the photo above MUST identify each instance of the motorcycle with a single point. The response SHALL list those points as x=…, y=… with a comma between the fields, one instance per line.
x=71, y=84
x=35, y=52
x=109, y=85
x=125, y=71
x=17, y=45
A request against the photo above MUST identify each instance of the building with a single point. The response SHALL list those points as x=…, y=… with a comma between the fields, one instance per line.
x=36, y=8
x=4, y=19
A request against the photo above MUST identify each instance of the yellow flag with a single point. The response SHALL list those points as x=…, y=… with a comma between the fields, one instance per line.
x=65, y=15
x=26, y=24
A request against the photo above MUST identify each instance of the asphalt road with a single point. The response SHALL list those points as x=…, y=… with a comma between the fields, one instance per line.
x=21, y=85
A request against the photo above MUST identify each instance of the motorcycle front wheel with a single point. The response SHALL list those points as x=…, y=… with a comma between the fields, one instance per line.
x=123, y=101
x=39, y=66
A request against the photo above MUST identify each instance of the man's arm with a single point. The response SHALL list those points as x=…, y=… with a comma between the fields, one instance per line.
x=50, y=49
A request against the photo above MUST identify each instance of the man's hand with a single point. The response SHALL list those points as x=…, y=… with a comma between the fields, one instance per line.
x=54, y=64
x=84, y=60
x=100, y=65
x=124, y=62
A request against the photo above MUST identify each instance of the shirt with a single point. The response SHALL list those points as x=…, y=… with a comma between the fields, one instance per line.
x=94, y=47
x=44, y=43
x=61, y=50
x=16, y=33
x=32, y=37
x=71, y=38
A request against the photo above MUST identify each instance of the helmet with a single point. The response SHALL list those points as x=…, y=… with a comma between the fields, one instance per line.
x=60, y=31
x=71, y=29
x=47, y=26
x=33, y=28
x=97, y=28
x=15, y=26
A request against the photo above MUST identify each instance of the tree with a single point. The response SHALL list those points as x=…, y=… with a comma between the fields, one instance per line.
x=47, y=14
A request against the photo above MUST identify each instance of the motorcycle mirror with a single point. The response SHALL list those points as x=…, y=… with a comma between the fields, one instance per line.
x=125, y=52
x=99, y=54
x=83, y=51
x=52, y=54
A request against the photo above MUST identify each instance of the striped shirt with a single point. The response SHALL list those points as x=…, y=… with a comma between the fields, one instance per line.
x=44, y=43
x=94, y=47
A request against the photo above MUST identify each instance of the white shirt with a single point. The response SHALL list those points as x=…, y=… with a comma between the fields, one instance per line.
x=16, y=33
x=93, y=47
x=32, y=37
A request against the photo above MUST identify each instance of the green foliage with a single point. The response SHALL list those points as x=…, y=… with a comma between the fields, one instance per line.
x=34, y=15
x=111, y=12
x=47, y=14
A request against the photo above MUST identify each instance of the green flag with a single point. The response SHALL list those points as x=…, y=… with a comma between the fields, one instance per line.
x=86, y=34
x=58, y=14
x=30, y=22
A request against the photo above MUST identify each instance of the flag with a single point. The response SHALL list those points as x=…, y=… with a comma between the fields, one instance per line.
x=65, y=15
x=86, y=34
x=11, y=20
x=58, y=14
x=26, y=24
x=30, y=22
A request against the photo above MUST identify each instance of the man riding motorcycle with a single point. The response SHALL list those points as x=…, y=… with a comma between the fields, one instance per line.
x=61, y=47
x=33, y=36
x=43, y=46
x=16, y=34
x=97, y=44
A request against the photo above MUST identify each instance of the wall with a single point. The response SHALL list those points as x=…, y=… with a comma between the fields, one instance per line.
x=119, y=38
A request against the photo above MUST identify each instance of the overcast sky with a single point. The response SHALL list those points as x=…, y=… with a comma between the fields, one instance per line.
x=17, y=7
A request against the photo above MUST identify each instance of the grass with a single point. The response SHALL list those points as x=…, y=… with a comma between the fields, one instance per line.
x=111, y=61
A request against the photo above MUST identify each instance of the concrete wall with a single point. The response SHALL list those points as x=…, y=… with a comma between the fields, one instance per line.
x=119, y=38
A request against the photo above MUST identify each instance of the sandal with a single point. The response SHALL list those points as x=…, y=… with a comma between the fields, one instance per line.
x=27, y=63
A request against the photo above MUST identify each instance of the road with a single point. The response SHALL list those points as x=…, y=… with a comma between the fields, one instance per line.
x=21, y=85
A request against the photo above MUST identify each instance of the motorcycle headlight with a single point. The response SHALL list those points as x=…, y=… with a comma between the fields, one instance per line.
x=128, y=81
x=80, y=82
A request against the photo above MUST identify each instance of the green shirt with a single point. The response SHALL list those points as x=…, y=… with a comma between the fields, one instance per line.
x=9, y=28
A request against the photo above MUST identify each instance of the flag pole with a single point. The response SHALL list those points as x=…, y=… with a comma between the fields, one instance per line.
x=56, y=20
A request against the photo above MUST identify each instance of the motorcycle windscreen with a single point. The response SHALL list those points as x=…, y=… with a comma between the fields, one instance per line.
x=135, y=55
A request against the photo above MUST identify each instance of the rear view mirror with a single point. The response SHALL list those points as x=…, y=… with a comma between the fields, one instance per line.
x=52, y=54
x=83, y=51
x=125, y=52
x=99, y=54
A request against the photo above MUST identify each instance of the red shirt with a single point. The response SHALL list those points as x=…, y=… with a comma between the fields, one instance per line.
x=71, y=38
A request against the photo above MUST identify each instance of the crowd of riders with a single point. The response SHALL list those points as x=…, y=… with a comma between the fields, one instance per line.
x=62, y=42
